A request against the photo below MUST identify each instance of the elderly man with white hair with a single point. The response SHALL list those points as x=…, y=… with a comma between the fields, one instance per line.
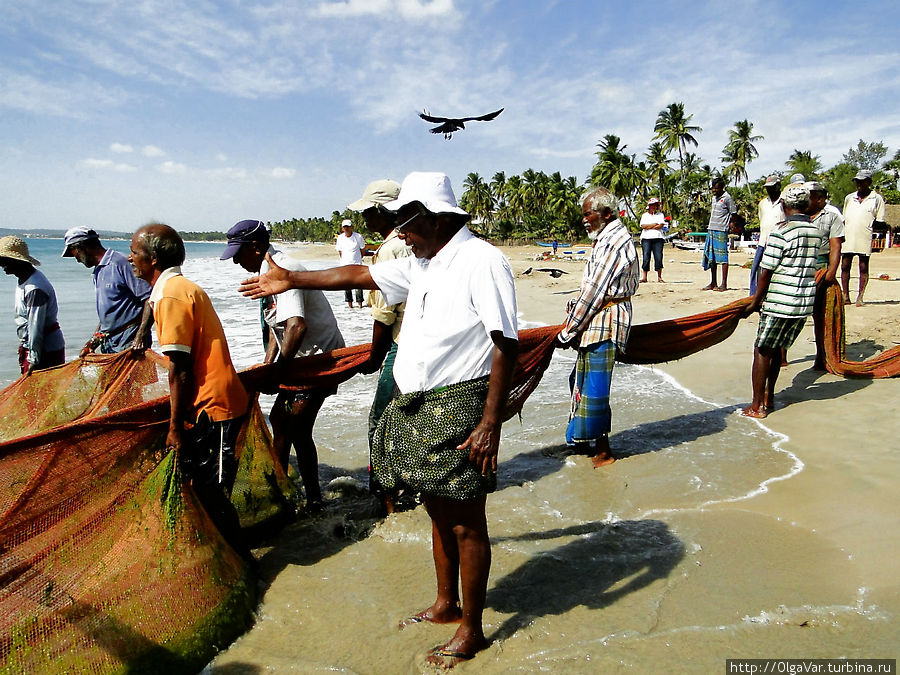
x=784, y=294
x=598, y=323
x=457, y=348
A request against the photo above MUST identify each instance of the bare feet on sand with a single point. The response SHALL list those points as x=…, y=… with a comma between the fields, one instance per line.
x=602, y=459
x=721, y=288
x=433, y=615
x=755, y=413
x=711, y=287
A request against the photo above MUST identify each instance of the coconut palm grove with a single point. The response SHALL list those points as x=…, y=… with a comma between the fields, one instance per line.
x=535, y=205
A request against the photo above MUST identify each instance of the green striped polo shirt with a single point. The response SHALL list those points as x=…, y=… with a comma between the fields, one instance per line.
x=791, y=255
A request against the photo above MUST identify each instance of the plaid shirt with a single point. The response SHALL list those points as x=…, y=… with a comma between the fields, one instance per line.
x=611, y=273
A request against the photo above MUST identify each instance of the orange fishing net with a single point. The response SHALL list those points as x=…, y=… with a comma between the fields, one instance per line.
x=108, y=562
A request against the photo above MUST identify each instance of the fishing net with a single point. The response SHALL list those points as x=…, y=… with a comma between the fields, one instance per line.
x=109, y=563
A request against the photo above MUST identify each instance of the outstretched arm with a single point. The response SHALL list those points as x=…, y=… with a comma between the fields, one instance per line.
x=278, y=280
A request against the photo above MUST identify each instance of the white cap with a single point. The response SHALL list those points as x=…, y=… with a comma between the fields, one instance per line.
x=432, y=190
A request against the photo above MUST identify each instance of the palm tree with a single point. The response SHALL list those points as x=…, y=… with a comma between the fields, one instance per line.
x=739, y=152
x=803, y=161
x=477, y=199
x=658, y=168
x=515, y=199
x=616, y=170
x=675, y=131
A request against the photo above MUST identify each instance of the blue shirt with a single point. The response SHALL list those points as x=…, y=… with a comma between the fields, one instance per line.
x=120, y=299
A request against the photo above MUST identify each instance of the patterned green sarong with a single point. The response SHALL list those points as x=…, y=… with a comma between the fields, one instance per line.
x=415, y=442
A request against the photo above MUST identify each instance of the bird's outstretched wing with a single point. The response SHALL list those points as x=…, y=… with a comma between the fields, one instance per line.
x=482, y=118
x=431, y=118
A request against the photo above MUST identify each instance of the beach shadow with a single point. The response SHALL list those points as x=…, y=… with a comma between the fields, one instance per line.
x=239, y=668
x=862, y=350
x=607, y=562
x=806, y=387
x=662, y=434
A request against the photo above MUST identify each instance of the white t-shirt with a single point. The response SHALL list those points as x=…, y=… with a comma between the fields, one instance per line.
x=652, y=219
x=322, y=332
x=453, y=302
x=350, y=248
x=770, y=214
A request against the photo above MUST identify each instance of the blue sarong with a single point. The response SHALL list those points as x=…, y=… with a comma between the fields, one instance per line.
x=716, y=249
x=591, y=416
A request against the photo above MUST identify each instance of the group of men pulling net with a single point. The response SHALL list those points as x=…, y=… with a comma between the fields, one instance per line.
x=108, y=561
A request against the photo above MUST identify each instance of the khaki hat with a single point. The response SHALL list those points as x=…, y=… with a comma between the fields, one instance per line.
x=862, y=174
x=377, y=192
x=15, y=248
x=774, y=179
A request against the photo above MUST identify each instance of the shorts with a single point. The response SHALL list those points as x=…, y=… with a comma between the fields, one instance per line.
x=778, y=331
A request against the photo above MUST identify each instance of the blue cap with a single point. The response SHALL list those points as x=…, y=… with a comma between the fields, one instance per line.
x=244, y=232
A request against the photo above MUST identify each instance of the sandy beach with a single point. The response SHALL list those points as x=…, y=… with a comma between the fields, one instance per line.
x=626, y=571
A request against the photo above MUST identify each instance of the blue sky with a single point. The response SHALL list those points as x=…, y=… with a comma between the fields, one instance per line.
x=200, y=114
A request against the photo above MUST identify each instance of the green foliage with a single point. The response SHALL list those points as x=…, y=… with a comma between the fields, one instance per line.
x=803, y=161
x=838, y=180
x=866, y=155
x=891, y=196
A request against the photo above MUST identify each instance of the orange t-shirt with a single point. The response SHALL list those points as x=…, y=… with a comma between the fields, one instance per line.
x=187, y=322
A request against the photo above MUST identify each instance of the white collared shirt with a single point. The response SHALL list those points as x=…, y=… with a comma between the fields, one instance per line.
x=161, y=280
x=453, y=302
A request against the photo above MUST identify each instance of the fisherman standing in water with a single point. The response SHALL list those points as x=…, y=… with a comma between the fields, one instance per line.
x=457, y=350
x=598, y=323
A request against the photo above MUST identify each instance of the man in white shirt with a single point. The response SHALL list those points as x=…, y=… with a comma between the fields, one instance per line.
x=862, y=210
x=440, y=435
x=350, y=246
x=299, y=323
x=770, y=214
x=652, y=239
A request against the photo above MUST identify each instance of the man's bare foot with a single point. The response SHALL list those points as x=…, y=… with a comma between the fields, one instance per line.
x=711, y=287
x=643, y=280
x=847, y=300
x=755, y=413
x=602, y=459
x=859, y=302
x=661, y=280
x=431, y=615
x=721, y=288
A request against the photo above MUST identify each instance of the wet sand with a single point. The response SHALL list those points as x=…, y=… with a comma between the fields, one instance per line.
x=649, y=564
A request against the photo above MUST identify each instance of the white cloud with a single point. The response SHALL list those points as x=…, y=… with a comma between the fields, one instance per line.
x=282, y=172
x=171, y=167
x=72, y=97
x=408, y=9
x=229, y=172
x=222, y=157
x=120, y=147
x=106, y=164
x=153, y=151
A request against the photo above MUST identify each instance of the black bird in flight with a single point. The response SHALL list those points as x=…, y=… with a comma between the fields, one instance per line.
x=447, y=125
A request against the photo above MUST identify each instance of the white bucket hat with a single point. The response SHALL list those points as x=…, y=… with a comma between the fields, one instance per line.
x=432, y=190
x=377, y=192
x=15, y=248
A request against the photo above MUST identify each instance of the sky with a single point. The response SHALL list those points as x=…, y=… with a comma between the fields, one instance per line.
x=115, y=113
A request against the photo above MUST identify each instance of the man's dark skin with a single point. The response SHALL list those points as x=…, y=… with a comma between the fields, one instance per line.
x=382, y=221
x=824, y=278
x=767, y=361
x=293, y=426
x=460, y=543
x=718, y=189
x=21, y=270
x=863, y=190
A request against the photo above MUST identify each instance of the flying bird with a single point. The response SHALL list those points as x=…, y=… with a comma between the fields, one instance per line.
x=447, y=125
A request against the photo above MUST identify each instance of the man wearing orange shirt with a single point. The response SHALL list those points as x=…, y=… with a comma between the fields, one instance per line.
x=207, y=399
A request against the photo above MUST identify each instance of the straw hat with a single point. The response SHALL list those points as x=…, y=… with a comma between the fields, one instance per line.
x=15, y=248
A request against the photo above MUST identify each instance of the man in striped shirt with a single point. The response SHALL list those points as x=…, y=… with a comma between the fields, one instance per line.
x=598, y=323
x=784, y=294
